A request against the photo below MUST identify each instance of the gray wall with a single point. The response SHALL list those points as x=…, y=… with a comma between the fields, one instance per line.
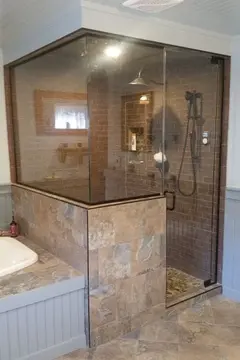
x=5, y=206
x=44, y=323
x=231, y=250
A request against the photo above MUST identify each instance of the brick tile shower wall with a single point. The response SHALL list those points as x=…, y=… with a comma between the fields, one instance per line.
x=190, y=239
x=192, y=226
x=98, y=137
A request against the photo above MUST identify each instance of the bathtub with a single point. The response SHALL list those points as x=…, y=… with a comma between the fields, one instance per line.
x=14, y=256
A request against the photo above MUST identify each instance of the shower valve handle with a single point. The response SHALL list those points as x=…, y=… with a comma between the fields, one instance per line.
x=173, y=194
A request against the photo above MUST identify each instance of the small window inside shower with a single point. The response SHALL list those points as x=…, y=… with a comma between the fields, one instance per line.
x=71, y=117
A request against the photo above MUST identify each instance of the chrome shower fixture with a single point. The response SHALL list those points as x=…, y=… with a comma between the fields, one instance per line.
x=139, y=80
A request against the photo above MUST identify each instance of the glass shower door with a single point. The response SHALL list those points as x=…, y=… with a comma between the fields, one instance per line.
x=192, y=141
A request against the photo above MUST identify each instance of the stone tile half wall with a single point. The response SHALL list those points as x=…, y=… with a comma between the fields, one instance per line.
x=127, y=266
x=57, y=226
x=122, y=247
x=5, y=206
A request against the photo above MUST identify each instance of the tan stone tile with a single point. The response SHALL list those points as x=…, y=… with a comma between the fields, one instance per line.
x=160, y=331
x=93, y=269
x=80, y=222
x=222, y=303
x=78, y=355
x=73, y=255
x=224, y=315
x=178, y=308
x=102, y=305
x=139, y=293
x=207, y=334
x=120, y=349
x=154, y=221
x=101, y=228
x=199, y=352
x=157, y=351
x=74, y=220
x=131, y=296
x=156, y=286
x=229, y=353
x=114, y=263
x=200, y=312
x=150, y=315
x=59, y=227
x=147, y=253
x=124, y=298
x=127, y=222
x=110, y=331
x=215, y=291
x=102, y=310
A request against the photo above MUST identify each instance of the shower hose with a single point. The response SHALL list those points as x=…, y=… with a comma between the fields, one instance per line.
x=192, y=136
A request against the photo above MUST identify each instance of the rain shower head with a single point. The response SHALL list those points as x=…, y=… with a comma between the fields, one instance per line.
x=139, y=80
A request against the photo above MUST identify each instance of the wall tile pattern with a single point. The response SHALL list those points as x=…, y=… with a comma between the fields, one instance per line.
x=121, y=249
x=127, y=266
x=58, y=227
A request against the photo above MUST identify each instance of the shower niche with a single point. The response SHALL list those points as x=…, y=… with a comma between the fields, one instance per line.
x=137, y=113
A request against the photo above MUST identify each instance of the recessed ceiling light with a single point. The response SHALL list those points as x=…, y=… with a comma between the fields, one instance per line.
x=113, y=51
x=151, y=6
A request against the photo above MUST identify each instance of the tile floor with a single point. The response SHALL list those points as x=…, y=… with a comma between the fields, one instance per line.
x=181, y=284
x=206, y=331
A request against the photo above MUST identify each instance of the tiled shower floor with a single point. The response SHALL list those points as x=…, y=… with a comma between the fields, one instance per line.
x=181, y=285
x=208, y=330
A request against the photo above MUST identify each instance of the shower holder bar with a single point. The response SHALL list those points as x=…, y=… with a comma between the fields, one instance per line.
x=173, y=194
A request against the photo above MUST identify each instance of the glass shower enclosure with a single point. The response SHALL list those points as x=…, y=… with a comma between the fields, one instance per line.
x=193, y=148
x=103, y=118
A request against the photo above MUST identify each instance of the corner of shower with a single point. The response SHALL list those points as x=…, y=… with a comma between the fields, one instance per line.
x=150, y=126
x=193, y=126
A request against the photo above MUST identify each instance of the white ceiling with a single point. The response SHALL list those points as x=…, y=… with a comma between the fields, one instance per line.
x=222, y=16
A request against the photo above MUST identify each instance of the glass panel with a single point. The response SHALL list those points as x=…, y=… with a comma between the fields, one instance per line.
x=125, y=94
x=89, y=120
x=192, y=139
x=52, y=119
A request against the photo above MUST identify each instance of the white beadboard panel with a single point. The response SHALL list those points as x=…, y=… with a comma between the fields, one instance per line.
x=233, y=169
x=45, y=329
x=5, y=206
x=47, y=292
x=30, y=25
x=231, y=250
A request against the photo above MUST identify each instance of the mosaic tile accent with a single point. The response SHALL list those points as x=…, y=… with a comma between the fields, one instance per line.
x=127, y=271
x=181, y=284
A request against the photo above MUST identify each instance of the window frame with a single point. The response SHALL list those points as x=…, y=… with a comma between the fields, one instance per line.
x=60, y=96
